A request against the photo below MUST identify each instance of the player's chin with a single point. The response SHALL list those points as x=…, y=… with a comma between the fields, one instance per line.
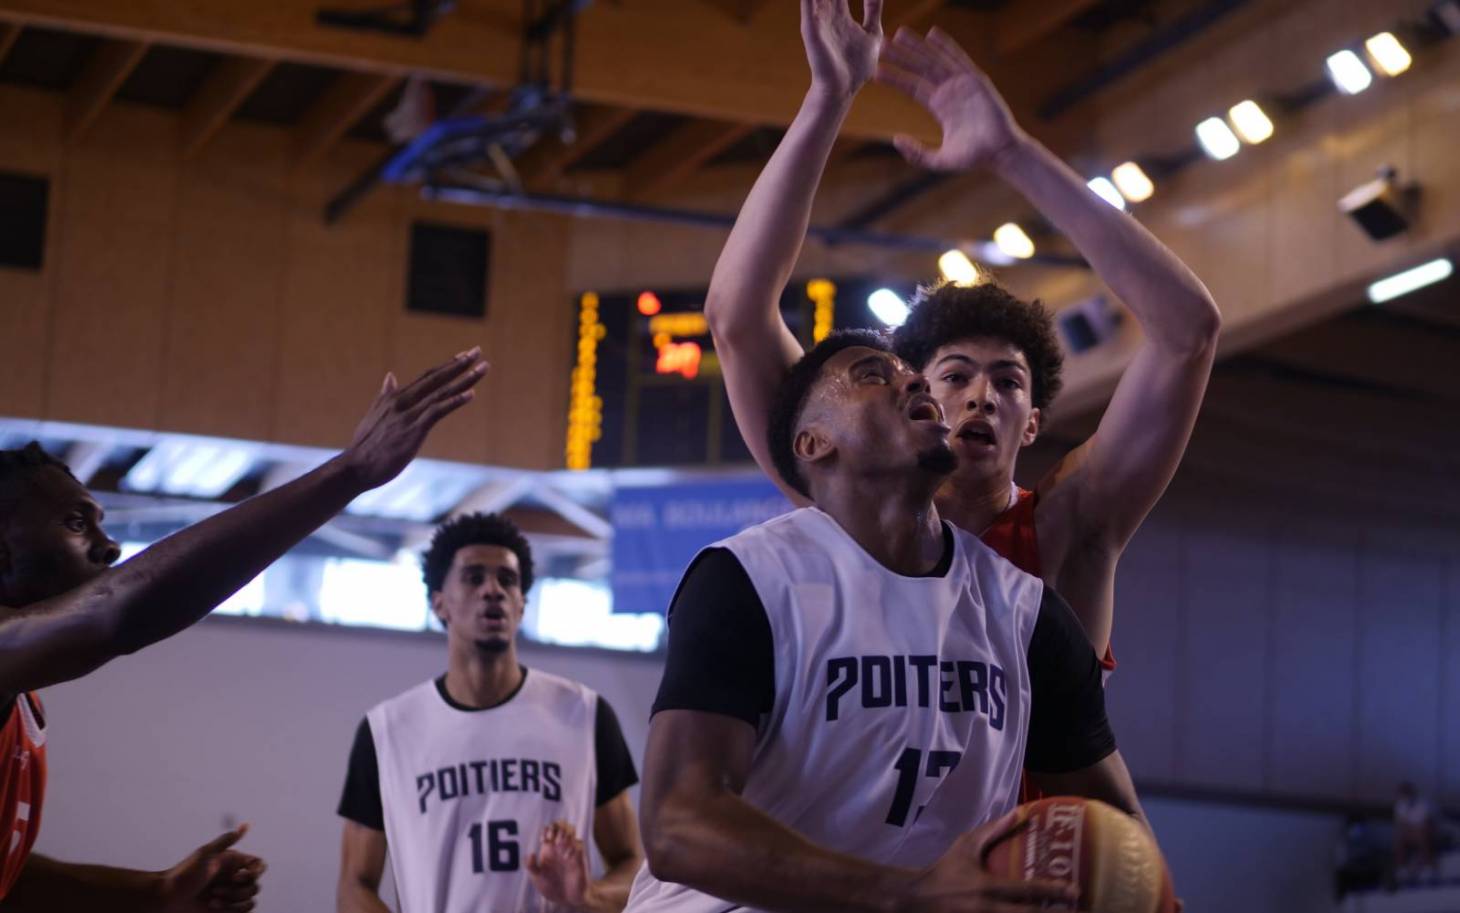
x=493, y=644
x=937, y=458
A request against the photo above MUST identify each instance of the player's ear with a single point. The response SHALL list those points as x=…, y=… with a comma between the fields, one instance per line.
x=438, y=608
x=1031, y=428
x=812, y=444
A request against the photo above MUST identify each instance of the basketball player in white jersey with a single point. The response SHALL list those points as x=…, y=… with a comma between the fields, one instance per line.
x=991, y=359
x=853, y=689
x=480, y=781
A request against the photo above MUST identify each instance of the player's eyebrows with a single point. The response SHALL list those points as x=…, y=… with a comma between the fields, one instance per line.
x=1001, y=364
x=485, y=568
x=879, y=359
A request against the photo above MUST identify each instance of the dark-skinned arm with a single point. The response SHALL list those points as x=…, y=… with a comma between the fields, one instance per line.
x=176, y=582
x=214, y=877
x=362, y=864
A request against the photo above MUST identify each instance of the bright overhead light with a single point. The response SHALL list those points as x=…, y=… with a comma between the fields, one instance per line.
x=1107, y=192
x=1388, y=54
x=1012, y=240
x=1217, y=139
x=1348, y=72
x=888, y=307
x=1133, y=183
x=1250, y=121
x=1411, y=279
x=957, y=268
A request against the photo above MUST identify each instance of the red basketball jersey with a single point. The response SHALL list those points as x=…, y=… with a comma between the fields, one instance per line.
x=1012, y=536
x=22, y=785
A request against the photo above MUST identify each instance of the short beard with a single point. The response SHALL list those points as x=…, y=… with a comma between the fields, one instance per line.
x=494, y=647
x=938, y=460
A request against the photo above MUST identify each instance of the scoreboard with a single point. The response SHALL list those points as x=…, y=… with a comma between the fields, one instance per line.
x=647, y=389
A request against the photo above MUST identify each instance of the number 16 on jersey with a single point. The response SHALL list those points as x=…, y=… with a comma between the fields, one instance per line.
x=499, y=852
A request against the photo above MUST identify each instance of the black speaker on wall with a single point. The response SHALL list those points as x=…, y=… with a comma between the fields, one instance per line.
x=448, y=270
x=23, y=199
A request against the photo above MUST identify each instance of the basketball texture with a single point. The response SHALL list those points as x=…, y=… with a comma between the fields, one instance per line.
x=1106, y=853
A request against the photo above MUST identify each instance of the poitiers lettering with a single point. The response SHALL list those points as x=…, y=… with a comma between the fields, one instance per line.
x=956, y=686
x=502, y=775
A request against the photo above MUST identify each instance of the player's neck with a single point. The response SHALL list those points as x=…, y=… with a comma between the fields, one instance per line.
x=972, y=505
x=899, y=527
x=475, y=678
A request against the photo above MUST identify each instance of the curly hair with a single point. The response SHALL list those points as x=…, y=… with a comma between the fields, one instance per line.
x=946, y=313
x=16, y=465
x=473, y=529
x=795, y=389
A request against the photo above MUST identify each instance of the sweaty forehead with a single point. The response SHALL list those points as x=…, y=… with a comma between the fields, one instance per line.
x=491, y=557
x=981, y=351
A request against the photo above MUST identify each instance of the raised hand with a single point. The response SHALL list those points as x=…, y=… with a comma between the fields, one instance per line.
x=977, y=125
x=842, y=52
x=393, y=430
x=559, y=868
x=958, y=882
x=213, y=878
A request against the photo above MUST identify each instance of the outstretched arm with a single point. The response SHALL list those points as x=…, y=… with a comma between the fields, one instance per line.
x=212, y=878
x=182, y=578
x=754, y=344
x=1124, y=468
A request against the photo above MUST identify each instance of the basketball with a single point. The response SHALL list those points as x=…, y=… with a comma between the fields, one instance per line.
x=1108, y=854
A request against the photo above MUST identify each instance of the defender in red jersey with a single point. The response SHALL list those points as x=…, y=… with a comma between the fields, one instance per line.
x=64, y=611
x=991, y=360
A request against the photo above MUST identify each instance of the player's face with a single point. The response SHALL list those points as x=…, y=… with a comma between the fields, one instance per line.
x=879, y=414
x=984, y=387
x=52, y=539
x=481, y=600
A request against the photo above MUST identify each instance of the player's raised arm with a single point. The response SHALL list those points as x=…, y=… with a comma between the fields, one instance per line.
x=179, y=580
x=754, y=345
x=1125, y=467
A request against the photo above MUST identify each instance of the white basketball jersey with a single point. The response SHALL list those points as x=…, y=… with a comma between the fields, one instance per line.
x=902, y=703
x=467, y=793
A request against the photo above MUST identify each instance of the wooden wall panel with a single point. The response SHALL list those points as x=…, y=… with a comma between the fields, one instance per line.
x=530, y=342
x=224, y=323
x=420, y=341
x=115, y=271
x=30, y=143
x=341, y=287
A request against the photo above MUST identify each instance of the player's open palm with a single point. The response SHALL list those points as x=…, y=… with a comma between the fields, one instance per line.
x=959, y=883
x=842, y=51
x=559, y=868
x=213, y=878
x=396, y=426
x=977, y=124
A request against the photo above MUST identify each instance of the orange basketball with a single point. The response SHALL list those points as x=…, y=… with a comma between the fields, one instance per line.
x=1106, y=853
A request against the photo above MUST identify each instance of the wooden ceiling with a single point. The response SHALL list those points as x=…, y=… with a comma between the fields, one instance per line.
x=664, y=89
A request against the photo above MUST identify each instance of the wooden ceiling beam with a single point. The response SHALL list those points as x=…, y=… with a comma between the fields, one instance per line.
x=9, y=33
x=1023, y=24
x=230, y=83
x=912, y=14
x=349, y=98
x=104, y=74
x=658, y=55
x=546, y=162
x=676, y=157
